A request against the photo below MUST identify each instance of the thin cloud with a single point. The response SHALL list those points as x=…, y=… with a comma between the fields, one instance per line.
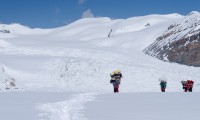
x=81, y=1
x=57, y=10
x=88, y=14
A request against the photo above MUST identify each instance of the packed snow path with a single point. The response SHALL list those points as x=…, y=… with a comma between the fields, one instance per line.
x=24, y=105
x=43, y=105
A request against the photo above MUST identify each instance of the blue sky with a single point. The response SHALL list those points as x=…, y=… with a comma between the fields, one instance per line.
x=56, y=13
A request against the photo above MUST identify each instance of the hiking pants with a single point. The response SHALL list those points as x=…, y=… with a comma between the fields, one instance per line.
x=163, y=89
x=116, y=89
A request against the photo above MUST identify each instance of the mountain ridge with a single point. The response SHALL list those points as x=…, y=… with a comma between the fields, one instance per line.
x=180, y=42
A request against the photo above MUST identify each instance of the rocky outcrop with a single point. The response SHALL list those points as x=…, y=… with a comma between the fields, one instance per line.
x=5, y=31
x=6, y=82
x=180, y=43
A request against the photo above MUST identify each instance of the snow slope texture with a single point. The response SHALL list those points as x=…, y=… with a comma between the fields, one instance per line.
x=80, y=56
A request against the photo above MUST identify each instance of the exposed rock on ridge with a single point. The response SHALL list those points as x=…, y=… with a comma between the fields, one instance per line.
x=180, y=43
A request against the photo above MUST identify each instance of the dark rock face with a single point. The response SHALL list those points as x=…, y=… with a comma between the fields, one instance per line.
x=188, y=54
x=180, y=43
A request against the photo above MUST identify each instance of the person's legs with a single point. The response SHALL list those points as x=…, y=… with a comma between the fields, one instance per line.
x=185, y=89
x=190, y=90
x=116, y=89
x=163, y=89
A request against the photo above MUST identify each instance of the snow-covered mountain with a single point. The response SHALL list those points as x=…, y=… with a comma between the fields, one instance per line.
x=180, y=42
x=80, y=56
x=20, y=29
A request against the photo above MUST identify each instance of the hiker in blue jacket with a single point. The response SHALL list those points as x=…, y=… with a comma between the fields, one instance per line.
x=163, y=85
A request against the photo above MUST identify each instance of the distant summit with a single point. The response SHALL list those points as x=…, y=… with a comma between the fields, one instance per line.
x=196, y=13
x=16, y=28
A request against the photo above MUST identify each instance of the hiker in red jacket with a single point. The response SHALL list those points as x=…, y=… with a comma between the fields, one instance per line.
x=190, y=85
x=187, y=85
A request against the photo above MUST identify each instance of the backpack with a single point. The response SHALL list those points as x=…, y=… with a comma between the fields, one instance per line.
x=190, y=83
x=112, y=81
x=163, y=84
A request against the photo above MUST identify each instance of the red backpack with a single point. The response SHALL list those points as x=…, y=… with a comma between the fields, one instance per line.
x=190, y=83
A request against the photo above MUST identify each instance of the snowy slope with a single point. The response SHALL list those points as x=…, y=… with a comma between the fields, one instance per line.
x=78, y=59
x=80, y=56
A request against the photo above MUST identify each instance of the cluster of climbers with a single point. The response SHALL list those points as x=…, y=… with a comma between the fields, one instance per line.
x=116, y=77
x=187, y=85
